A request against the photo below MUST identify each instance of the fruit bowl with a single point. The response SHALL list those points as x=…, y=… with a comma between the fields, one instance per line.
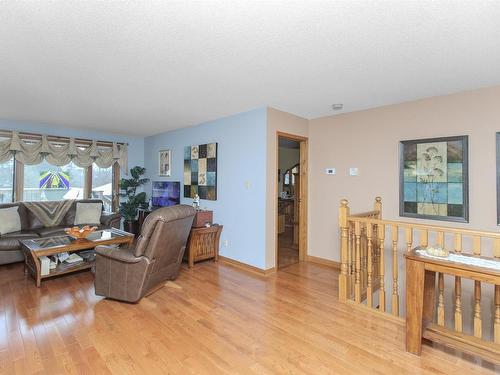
x=80, y=233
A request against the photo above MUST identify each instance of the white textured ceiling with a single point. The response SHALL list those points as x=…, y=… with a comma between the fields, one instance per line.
x=148, y=67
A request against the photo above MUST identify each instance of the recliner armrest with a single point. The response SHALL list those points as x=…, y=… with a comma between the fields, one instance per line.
x=110, y=218
x=119, y=254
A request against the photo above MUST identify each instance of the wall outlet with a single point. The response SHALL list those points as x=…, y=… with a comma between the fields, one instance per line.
x=225, y=243
x=353, y=171
x=330, y=171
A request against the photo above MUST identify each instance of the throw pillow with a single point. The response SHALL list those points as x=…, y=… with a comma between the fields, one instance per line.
x=88, y=213
x=9, y=220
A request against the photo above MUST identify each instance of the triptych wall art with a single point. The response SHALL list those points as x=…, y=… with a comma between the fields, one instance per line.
x=434, y=179
x=200, y=171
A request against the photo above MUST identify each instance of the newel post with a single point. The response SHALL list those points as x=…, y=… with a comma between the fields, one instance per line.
x=377, y=206
x=344, y=234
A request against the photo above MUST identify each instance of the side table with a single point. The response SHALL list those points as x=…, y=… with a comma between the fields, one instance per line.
x=203, y=243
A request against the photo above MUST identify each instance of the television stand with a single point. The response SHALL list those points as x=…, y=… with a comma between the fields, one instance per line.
x=143, y=213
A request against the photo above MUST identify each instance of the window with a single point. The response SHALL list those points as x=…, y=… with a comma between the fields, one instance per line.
x=6, y=181
x=46, y=182
x=102, y=185
x=290, y=175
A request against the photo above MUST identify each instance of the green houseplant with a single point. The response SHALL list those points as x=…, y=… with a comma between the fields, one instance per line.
x=132, y=200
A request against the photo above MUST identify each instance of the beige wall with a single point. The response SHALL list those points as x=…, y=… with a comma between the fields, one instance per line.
x=370, y=139
x=287, y=123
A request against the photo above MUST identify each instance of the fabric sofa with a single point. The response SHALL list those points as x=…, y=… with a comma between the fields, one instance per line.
x=31, y=228
x=130, y=274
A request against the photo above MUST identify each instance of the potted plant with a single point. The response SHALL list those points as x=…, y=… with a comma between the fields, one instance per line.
x=133, y=200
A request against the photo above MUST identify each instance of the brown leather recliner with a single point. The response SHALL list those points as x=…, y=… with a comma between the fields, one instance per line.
x=127, y=274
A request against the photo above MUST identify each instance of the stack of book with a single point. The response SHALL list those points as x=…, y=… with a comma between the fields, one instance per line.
x=66, y=260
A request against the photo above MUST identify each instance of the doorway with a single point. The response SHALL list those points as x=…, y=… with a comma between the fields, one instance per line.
x=291, y=218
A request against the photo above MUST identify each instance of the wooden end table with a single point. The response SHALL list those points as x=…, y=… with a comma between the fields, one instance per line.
x=34, y=249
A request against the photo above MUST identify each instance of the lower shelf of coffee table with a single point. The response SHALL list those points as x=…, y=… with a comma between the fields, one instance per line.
x=62, y=269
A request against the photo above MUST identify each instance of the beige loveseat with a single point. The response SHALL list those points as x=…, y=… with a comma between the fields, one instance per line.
x=31, y=227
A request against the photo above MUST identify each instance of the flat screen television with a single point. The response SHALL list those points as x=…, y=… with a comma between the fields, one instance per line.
x=166, y=193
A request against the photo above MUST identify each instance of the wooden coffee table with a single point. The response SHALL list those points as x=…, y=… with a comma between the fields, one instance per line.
x=34, y=249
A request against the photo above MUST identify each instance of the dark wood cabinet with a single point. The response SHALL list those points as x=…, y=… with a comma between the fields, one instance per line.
x=201, y=219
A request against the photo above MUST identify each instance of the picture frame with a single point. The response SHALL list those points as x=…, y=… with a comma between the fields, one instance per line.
x=434, y=179
x=164, y=163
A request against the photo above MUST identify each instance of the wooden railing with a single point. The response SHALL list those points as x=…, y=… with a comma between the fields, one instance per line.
x=361, y=267
x=372, y=260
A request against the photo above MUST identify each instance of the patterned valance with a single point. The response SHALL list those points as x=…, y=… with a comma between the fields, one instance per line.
x=30, y=152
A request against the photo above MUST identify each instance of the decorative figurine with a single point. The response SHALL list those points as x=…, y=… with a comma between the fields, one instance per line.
x=196, y=202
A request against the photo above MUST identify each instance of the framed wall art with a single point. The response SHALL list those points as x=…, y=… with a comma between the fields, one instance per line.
x=165, y=163
x=200, y=171
x=434, y=179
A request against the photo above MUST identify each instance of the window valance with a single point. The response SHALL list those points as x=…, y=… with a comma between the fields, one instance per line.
x=56, y=152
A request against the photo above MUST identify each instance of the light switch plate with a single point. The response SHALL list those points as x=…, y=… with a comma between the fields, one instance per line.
x=353, y=171
x=330, y=171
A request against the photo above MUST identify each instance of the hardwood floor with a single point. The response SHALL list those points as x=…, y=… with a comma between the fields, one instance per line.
x=288, y=253
x=215, y=319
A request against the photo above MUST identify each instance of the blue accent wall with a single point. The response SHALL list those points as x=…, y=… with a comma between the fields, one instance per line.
x=135, y=147
x=241, y=178
x=241, y=172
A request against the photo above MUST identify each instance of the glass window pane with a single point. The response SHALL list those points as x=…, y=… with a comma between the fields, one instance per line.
x=46, y=182
x=102, y=185
x=6, y=181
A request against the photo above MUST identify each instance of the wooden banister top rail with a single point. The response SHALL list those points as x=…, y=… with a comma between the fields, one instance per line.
x=366, y=214
x=430, y=228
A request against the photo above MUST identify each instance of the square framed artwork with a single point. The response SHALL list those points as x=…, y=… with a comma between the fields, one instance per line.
x=433, y=177
x=200, y=171
x=165, y=163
